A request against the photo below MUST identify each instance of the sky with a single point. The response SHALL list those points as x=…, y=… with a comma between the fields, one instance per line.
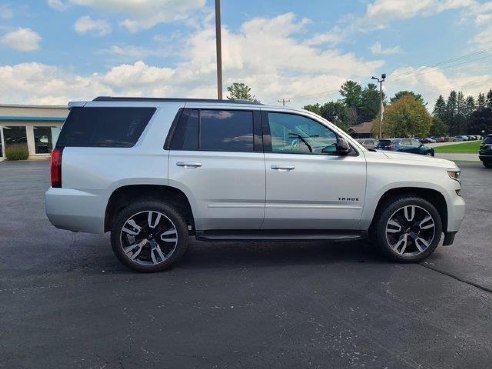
x=54, y=51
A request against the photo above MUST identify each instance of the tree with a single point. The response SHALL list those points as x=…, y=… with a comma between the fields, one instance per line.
x=240, y=91
x=314, y=108
x=481, y=101
x=440, y=108
x=451, y=111
x=411, y=93
x=438, y=128
x=370, y=103
x=351, y=92
x=488, y=101
x=335, y=112
x=480, y=120
x=407, y=117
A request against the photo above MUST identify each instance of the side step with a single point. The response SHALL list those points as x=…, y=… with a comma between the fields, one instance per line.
x=242, y=235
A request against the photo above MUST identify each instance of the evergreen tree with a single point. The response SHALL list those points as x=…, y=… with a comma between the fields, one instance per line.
x=481, y=101
x=469, y=106
x=451, y=111
x=481, y=120
x=370, y=103
x=440, y=108
x=488, y=100
x=351, y=92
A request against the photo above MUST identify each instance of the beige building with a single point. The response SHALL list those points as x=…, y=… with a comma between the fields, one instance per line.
x=35, y=126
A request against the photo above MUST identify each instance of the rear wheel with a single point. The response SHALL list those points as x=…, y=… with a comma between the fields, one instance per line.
x=149, y=236
x=409, y=229
x=487, y=164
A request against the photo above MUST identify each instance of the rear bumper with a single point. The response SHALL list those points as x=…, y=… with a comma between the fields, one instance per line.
x=485, y=157
x=75, y=210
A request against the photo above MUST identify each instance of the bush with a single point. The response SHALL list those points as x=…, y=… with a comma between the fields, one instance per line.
x=16, y=152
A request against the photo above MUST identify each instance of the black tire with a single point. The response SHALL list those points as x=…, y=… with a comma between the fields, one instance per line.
x=411, y=244
x=487, y=164
x=169, y=217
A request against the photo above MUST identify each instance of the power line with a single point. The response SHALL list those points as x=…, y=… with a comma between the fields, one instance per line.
x=453, y=62
x=284, y=101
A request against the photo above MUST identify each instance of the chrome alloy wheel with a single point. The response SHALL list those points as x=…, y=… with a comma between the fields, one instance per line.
x=410, y=230
x=148, y=238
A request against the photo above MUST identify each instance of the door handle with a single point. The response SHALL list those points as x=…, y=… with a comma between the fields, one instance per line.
x=186, y=164
x=283, y=167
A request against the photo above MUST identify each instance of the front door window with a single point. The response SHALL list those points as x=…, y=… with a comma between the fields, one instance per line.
x=295, y=134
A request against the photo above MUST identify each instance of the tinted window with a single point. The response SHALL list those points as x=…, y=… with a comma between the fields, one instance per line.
x=186, y=132
x=104, y=127
x=226, y=130
x=300, y=135
x=383, y=143
x=488, y=140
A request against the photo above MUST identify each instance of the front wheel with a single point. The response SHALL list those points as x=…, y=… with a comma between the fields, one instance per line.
x=149, y=236
x=409, y=229
x=487, y=164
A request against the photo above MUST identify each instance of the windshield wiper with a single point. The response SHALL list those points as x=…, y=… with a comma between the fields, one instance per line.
x=292, y=134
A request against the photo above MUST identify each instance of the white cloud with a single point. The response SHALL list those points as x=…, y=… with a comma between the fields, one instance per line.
x=431, y=82
x=86, y=24
x=145, y=14
x=22, y=39
x=381, y=12
x=288, y=68
x=57, y=4
x=377, y=49
x=481, y=13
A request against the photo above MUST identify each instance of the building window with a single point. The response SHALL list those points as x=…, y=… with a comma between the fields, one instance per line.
x=45, y=138
x=14, y=136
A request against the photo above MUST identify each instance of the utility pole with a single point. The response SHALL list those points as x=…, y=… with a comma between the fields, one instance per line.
x=284, y=101
x=381, y=111
x=218, y=44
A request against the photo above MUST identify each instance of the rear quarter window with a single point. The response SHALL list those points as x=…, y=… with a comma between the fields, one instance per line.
x=104, y=127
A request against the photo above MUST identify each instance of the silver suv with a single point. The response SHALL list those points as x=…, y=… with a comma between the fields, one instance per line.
x=155, y=171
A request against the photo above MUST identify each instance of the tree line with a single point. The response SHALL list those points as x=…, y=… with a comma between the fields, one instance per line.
x=405, y=113
x=460, y=115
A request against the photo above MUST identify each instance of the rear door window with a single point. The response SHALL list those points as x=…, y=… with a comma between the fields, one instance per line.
x=104, y=127
x=214, y=130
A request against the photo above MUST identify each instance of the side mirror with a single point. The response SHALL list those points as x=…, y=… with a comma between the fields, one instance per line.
x=343, y=147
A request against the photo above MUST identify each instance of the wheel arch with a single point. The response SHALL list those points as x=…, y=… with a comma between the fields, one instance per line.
x=123, y=196
x=433, y=196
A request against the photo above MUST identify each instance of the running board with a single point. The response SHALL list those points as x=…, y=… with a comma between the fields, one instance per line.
x=241, y=235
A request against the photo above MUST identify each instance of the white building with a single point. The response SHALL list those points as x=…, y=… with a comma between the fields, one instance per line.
x=36, y=126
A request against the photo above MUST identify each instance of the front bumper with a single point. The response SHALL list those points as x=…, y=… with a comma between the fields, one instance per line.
x=485, y=156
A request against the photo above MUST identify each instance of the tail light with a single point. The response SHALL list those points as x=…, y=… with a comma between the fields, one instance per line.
x=56, y=167
x=390, y=146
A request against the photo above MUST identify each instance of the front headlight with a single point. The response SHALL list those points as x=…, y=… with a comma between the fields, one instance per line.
x=454, y=174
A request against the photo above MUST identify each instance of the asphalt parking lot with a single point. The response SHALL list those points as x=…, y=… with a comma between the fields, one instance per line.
x=66, y=302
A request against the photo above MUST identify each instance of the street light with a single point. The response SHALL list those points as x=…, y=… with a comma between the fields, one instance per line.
x=383, y=77
x=218, y=44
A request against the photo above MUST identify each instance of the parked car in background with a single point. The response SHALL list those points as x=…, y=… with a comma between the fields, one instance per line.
x=410, y=145
x=485, y=153
x=368, y=143
x=428, y=140
x=460, y=138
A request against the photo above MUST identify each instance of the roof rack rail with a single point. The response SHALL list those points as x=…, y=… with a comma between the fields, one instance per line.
x=174, y=99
